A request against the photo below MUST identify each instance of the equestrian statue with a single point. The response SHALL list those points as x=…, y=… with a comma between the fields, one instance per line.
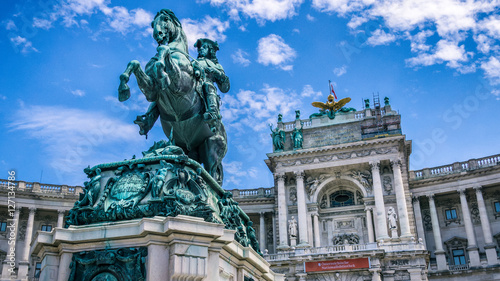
x=182, y=93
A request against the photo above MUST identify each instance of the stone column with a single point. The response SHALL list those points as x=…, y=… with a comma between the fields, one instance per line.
x=301, y=210
x=64, y=270
x=317, y=236
x=10, y=260
x=440, y=254
x=415, y=274
x=418, y=219
x=274, y=232
x=60, y=218
x=282, y=213
x=24, y=263
x=380, y=216
x=469, y=230
x=399, y=189
x=369, y=224
x=489, y=247
x=375, y=274
x=262, y=232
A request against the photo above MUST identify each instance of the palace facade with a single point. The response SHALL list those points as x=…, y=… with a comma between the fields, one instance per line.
x=345, y=206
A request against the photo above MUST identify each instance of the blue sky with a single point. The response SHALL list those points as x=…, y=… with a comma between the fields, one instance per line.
x=438, y=61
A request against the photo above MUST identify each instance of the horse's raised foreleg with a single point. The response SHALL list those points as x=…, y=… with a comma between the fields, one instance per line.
x=161, y=74
x=144, y=82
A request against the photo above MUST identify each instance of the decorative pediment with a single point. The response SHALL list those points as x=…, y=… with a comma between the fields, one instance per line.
x=456, y=242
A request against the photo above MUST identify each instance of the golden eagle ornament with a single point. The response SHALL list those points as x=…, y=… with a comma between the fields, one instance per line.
x=331, y=104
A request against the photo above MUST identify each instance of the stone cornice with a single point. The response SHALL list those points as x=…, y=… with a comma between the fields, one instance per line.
x=338, y=147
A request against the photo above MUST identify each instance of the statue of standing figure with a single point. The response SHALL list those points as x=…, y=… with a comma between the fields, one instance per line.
x=297, y=138
x=292, y=227
x=278, y=136
x=392, y=217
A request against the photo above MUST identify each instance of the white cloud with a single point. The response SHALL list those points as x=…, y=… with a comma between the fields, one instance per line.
x=308, y=91
x=10, y=25
x=24, y=44
x=118, y=18
x=380, y=37
x=240, y=57
x=235, y=168
x=310, y=18
x=72, y=138
x=273, y=50
x=255, y=110
x=78, y=93
x=260, y=10
x=339, y=71
x=42, y=23
x=492, y=69
x=211, y=28
x=121, y=20
x=449, y=22
x=445, y=51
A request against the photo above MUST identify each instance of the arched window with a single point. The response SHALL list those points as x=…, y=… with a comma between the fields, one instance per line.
x=341, y=198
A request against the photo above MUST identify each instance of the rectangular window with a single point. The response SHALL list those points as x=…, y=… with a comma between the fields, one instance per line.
x=451, y=214
x=38, y=268
x=497, y=207
x=47, y=227
x=3, y=226
x=458, y=257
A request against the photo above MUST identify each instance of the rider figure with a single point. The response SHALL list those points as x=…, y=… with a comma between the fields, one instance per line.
x=209, y=71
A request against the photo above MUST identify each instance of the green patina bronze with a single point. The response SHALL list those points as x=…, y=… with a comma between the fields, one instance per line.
x=297, y=137
x=125, y=264
x=165, y=182
x=182, y=176
x=182, y=93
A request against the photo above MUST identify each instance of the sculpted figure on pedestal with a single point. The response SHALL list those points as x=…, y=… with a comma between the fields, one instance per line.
x=292, y=227
x=392, y=217
x=185, y=100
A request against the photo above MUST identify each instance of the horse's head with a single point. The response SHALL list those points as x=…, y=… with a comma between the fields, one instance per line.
x=166, y=27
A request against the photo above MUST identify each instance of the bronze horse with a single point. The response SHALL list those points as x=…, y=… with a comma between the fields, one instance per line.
x=169, y=83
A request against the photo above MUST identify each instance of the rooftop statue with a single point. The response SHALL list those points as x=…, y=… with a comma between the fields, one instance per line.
x=182, y=93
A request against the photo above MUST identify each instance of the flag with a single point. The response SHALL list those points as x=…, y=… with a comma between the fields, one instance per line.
x=331, y=90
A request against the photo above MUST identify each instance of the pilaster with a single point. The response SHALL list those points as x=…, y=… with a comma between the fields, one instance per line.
x=490, y=248
x=469, y=230
x=282, y=213
x=301, y=210
x=404, y=223
x=380, y=216
x=436, y=231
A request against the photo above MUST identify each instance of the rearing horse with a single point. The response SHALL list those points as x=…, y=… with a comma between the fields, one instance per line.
x=169, y=83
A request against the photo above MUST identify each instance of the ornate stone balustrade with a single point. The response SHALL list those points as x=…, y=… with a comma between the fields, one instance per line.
x=300, y=252
x=252, y=193
x=459, y=267
x=41, y=188
x=457, y=167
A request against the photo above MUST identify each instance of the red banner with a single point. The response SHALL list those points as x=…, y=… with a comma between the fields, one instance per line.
x=314, y=266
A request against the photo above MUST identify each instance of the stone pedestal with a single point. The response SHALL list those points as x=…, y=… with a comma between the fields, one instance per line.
x=293, y=241
x=167, y=248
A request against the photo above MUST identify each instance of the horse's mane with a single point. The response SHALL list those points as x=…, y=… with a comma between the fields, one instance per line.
x=176, y=30
x=169, y=14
